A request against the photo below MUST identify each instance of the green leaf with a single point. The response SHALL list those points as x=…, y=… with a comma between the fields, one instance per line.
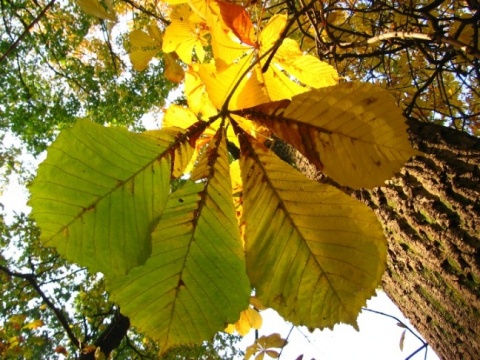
x=313, y=253
x=195, y=282
x=98, y=192
x=353, y=132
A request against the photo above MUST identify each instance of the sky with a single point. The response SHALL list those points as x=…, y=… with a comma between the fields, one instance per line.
x=378, y=338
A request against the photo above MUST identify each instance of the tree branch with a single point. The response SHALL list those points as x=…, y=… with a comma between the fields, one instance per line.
x=111, y=337
x=27, y=30
x=402, y=324
x=142, y=9
x=30, y=278
x=467, y=49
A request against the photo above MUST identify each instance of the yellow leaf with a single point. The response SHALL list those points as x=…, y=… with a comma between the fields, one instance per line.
x=256, y=303
x=178, y=116
x=272, y=341
x=230, y=329
x=402, y=340
x=307, y=69
x=140, y=59
x=251, y=350
x=185, y=34
x=248, y=91
x=249, y=319
x=195, y=91
x=94, y=8
x=253, y=128
x=203, y=167
x=263, y=346
x=33, y=324
x=313, y=253
x=353, y=132
x=231, y=82
x=219, y=84
x=173, y=71
x=260, y=356
x=254, y=318
x=272, y=353
x=202, y=8
x=17, y=319
x=99, y=355
x=251, y=90
x=225, y=47
x=144, y=47
x=183, y=152
x=155, y=32
x=237, y=19
x=14, y=341
x=276, y=84
x=236, y=177
x=272, y=31
x=142, y=40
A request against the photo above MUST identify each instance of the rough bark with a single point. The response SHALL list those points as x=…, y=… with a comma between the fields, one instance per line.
x=431, y=217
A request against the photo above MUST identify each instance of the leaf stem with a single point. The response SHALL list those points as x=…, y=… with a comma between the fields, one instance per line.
x=271, y=52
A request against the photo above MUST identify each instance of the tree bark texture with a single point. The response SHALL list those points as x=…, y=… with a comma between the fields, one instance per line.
x=431, y=217
x=430, y=213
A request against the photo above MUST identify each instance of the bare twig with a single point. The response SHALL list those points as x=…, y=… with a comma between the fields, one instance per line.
x=145, y=11
x=397, y=319
x=31, y=279
x=286, y=340
x=467, y=49
x=27, y=30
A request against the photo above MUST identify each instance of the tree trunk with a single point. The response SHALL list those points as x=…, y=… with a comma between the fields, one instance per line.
x=430, y=214
x=110, y=338
x=431, y=217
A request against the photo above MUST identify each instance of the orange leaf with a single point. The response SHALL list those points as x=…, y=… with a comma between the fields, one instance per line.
x=61, y=350
x=237, y=19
